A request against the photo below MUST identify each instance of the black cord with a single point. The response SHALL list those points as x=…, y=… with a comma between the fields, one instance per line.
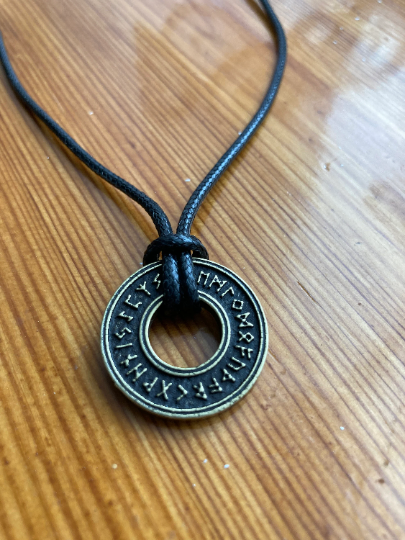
x=178, y=282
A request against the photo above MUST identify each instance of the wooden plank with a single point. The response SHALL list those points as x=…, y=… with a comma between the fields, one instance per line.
x=311, y=215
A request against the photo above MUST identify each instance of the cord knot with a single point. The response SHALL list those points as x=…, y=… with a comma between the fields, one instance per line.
x=174, y=244
x=178, y=281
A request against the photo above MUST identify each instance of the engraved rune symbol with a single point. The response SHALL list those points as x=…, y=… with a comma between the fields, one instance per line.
x=128, y=303
x=124, y=331
x=243, y=349
x=215, y=386
x=128, y=359
x=230, y=290
x=243, y=317
x=123, y=346
x=247, y=337
x=183, y=390
x=200, y=391
x=165, y=388
x=218, y=281
x=125, y=316
x=148, y=386
x=157, y=280
x=227, y=376
x=138, y=372
x=239, y=365
x=206, y=274
x=237, y=304
x=143, y=288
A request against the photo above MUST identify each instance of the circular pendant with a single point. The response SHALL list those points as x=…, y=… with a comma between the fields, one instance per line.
x=177, y=392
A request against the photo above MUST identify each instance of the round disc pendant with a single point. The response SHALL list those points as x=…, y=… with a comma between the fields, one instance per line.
x=177, y=392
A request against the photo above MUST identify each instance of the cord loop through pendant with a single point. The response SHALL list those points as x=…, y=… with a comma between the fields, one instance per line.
x=178, y=281
x=174, y=244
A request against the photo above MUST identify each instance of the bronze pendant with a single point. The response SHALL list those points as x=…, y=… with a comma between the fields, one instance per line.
x=177, y=392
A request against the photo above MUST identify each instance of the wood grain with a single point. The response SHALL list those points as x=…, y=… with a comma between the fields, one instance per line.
x=312, y=215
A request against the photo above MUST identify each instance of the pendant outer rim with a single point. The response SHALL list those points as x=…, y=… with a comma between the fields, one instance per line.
x=196, y=415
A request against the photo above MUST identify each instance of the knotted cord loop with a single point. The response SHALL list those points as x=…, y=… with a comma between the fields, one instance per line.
x=178, y=282
x=174, y=244
x=177, y=269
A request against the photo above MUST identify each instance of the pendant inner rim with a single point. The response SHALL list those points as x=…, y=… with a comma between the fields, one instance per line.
x=147, y=348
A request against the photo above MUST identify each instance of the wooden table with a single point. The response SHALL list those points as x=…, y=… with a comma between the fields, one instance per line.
x=312, y=215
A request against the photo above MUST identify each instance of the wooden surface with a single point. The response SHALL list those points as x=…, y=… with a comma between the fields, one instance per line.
x=312, y=215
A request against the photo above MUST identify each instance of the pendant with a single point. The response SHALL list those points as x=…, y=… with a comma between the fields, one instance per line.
x=177, y=392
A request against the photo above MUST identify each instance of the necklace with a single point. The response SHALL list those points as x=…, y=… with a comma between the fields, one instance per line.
x=178, y=276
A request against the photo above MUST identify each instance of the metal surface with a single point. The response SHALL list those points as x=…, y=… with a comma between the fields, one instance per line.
x=177, y=392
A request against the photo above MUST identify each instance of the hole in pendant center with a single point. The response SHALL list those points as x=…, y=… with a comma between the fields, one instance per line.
x=185, y=342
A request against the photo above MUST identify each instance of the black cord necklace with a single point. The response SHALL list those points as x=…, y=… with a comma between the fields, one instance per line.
x=181, y=280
